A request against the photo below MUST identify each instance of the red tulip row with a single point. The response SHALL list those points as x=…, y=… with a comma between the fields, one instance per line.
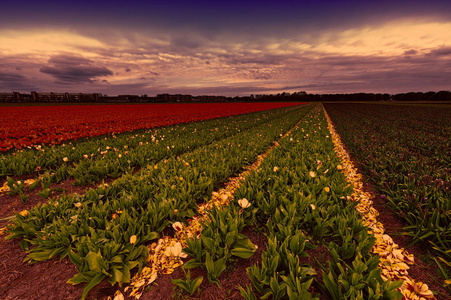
x=36, y=125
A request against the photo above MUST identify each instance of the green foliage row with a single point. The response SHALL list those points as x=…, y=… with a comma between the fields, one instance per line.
x=221, y=238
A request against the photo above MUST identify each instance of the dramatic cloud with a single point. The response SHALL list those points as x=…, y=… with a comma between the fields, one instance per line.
x=69, y=69
x=227, y=48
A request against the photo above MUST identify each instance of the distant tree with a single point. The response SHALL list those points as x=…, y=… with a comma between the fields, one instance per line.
x=443, y=96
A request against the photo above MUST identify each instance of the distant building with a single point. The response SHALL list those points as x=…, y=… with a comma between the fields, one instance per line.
x=53, y=97
x=65, y=97
x=207, y=98
x=14, y=97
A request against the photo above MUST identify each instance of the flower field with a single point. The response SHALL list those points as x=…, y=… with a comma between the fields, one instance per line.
x=27, y=126
x=196, y=195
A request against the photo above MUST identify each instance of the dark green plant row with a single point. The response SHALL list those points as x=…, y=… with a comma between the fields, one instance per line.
x=421, y=131
x=93, y=159
x=105, y=231
x=301, y=197
x=406, y=152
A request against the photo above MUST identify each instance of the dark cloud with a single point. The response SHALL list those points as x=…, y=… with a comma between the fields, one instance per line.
x=410, y=52
x=128, y=70
x=7, y=77
x=76, y=74
x=14, y=82
x=71, y=68
x=442, y=51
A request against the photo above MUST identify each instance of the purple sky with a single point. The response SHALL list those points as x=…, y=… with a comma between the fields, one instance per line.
x=225, y=48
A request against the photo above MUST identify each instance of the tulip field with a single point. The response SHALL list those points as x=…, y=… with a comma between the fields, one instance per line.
x=184, y=190
x=26, y=126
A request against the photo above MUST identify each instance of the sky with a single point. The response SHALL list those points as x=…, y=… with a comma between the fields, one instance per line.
x=225, y=48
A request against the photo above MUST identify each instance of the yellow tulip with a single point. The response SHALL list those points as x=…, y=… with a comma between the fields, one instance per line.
x=174, y=251
x=133, y=239
x=177, y=226
x=244, y=203
x=118, y=296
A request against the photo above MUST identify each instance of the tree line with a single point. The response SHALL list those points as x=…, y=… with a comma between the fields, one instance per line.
x=301, y=96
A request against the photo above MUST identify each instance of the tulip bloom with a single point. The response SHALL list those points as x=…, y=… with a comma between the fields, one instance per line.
x=244, y=203
x=177, y=226
x=133, y=239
